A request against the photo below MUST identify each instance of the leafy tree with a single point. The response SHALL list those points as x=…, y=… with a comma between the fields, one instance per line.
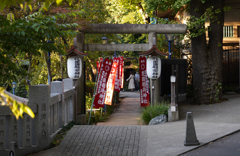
x=207, y=58
x=23, y=38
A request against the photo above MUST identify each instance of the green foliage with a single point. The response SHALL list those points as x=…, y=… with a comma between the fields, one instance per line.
x=26, y=36
x=39, y=72
x=25, y=3
x=99, y=116
x=152, y=111
x=125, y=85
x=89, y=99
x=124, y=11
x=22, y=38
x=16, y=107
x=21, y=89
x=218, y=88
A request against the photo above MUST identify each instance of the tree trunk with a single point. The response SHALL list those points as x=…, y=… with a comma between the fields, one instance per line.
x=93, y=71
x=207, y=60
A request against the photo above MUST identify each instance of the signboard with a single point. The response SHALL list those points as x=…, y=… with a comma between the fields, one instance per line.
x=153, y=67
x=111, y=84
x=102, y=82
x=144, y=86
x=74, y=67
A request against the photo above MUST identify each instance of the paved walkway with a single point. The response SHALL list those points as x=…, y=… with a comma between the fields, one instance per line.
x=129, y=111
x=101, y=141
x=211, y=122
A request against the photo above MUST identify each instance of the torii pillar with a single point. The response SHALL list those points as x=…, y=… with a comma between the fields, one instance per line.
x=80, y=112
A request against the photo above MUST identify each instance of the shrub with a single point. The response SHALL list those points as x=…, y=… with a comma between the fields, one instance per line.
x=90, y=87
x=152, y=111
x=88, y=101
x=125, y=85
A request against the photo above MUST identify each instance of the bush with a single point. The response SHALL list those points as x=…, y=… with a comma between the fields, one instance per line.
x=152, y=111
x=90, y=87
x=89, y=101
x=125, y=85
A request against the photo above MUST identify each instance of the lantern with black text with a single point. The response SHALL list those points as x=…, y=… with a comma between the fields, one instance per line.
x=74, y=67
x=74, y=63
x=153, y=67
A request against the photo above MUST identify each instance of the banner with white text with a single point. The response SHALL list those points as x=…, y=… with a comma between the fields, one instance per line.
x=111, y=84
x=144, y=86
x=117, y=86
x=101, y=83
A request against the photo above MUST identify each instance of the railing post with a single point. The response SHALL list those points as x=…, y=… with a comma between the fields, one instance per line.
x=69, y=84
x=4, y=132
x=27, y=130
x=40, y=95
x=58, y=87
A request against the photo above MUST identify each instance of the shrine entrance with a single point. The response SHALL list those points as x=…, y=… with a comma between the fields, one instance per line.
x=152, y=31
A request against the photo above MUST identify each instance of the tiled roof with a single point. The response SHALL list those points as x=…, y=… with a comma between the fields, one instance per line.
x=74, y=51
x=153, y=51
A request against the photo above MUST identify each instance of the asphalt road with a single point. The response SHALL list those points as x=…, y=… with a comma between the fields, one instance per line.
x=226, y=146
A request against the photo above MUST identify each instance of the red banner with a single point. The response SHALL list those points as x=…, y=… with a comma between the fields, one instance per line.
x=98, y=66
x=111, y=84
x=117, y=80
x=101, y=84
x=122, y=71
x=144, y=87
x=99, y=63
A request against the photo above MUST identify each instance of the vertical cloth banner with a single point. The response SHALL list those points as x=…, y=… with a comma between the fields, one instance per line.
x=102, y=82
x=144, y=87
x=122, y=63
x=111, y=84
x=99, y=63
x=117, y=80
x=120, y=73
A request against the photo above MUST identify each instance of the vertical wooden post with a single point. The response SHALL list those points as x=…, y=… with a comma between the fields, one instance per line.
x=80, y=107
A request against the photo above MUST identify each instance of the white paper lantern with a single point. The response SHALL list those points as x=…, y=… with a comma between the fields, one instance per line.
x=153, y=67
x=74, y=67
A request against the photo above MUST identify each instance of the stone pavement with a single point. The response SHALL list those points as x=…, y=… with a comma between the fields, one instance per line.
x=101, y=141
x=129, y=111
x=211, y=122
